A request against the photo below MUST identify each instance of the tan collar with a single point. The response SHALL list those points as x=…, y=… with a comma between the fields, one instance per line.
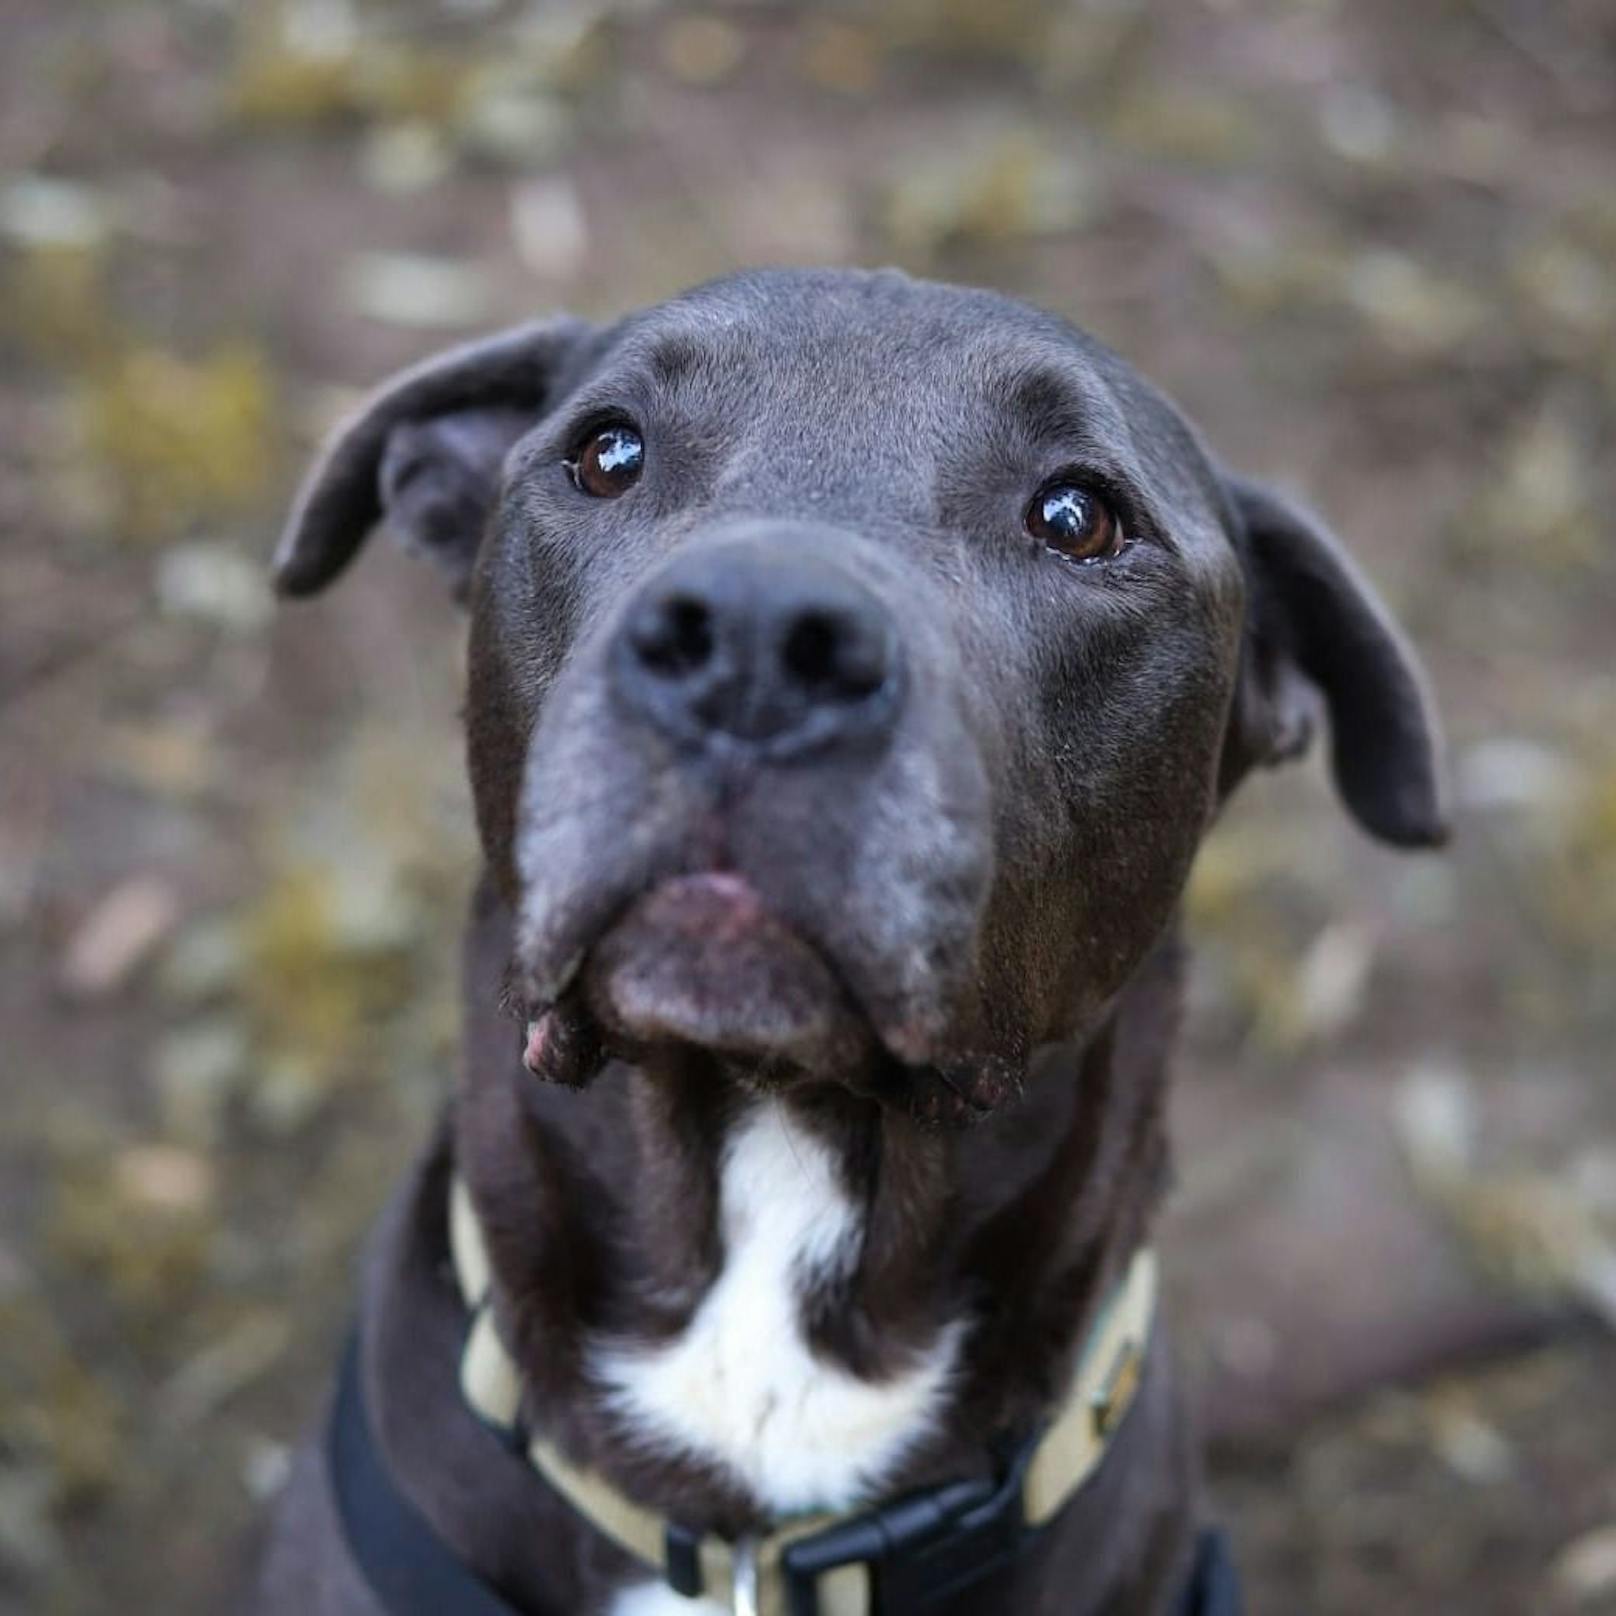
x=747, y=1576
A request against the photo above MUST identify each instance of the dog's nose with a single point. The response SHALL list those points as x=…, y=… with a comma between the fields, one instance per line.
x=762, y=647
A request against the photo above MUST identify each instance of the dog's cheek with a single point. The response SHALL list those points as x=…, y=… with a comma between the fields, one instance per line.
x=496, y=755
x=522, y=617
x=1117, y=788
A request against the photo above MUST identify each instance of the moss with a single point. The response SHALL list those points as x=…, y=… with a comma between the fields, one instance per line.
x=54, y=1412
x=54, y=306
x=1575, y=883
x=1277, y=969
x=138, y=1220
x=83, y=1432
x=313, y=984
x=282, y=89
x=1016, y=29
x=1264, y=277
x=1410, y=307
x=280, y=82
x=178, y=442
x=1187, y=126
x=1010, y=186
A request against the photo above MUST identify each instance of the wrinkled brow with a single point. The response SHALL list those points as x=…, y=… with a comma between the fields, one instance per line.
x=670, y=359
x=1053, y=404
x=662, y=358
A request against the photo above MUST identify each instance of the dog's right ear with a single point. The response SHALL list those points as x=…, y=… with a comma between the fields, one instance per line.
x=425, y=453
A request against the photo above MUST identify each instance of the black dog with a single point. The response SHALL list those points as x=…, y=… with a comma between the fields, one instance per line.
x=856, y=665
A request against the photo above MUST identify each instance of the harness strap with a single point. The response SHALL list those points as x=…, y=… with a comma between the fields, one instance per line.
x=1214, y=1585
x=409, y=1568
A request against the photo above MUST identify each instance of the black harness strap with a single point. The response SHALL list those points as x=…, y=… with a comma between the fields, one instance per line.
x=413, y=1572
x=409, y=1568
x=1214, y=1585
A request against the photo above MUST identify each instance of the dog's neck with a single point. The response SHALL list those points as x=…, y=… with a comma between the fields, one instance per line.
x=740, y=1305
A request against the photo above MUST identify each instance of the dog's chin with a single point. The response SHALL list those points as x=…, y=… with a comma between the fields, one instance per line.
x=700, y=961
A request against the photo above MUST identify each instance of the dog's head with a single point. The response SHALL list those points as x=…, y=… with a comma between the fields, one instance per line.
x=856, y=664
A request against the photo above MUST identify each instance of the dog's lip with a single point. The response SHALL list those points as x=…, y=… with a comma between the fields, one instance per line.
x=558, y=947
x=553, y=956
x=730, y=887
x=703, y=960
x=565, y=1035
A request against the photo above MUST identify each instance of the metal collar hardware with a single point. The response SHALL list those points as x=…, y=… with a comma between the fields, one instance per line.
x=744, y=1599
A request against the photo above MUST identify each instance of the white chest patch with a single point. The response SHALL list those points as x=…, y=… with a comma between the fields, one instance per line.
x=658, y=1599
x=741, y=1385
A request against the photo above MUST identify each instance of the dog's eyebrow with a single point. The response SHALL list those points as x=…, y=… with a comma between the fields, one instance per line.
x=1058, y=408
x=669, y=359
x=1051, y=404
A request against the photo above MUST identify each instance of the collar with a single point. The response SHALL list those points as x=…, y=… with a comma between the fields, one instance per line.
x=890, y=1561
x=411, y=1571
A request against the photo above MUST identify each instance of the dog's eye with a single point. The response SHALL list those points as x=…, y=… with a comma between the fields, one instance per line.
x=1075, y=522
x=609, y=463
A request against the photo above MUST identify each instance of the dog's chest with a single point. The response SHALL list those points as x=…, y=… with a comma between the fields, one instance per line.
x=741, y=1386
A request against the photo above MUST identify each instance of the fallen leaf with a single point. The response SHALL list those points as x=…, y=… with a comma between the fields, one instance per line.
x=418, y=292
x=118, y=935
x=548, y=227
x=1585, y=1569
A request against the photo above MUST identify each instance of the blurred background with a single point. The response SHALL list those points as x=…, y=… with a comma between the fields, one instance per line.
x=1368, y=246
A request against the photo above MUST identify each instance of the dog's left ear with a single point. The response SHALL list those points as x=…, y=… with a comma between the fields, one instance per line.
x=1317, y=633
x=425, y=453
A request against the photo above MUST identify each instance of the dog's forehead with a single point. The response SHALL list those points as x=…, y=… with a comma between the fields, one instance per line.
x=830, y=357
x=886, y=306
x=890, y=394
x=826, y=343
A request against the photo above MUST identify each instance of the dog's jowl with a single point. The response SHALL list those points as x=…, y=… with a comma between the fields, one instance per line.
x=855, y=667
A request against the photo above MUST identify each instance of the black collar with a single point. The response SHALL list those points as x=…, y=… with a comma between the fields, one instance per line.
x=927, y=1547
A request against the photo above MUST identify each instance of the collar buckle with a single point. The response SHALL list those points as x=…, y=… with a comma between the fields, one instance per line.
x=747, y=1597
x=922, y=1549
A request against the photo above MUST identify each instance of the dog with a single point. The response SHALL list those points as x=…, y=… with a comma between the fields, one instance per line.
x=855, y=664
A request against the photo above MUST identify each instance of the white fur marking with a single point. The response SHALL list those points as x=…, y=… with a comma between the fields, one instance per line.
x=741, y=1385
x=658, y=1599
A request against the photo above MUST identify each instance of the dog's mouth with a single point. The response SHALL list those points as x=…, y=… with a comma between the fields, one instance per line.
x=700, y=962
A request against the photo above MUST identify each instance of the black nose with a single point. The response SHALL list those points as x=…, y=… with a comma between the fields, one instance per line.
x=757, y=646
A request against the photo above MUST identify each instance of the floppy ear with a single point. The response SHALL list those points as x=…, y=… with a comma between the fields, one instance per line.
x=1316, y=634
x=425, y=453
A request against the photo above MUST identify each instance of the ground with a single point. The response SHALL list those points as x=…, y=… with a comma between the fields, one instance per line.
x=1368, y=247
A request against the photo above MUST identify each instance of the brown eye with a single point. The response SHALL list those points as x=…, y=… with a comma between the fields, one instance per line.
x=610, y=462
x=1075, y=523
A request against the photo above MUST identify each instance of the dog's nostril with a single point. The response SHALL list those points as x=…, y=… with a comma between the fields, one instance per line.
x=691, y=632
x=810, y=649
x=830, y=656
x=677, y=638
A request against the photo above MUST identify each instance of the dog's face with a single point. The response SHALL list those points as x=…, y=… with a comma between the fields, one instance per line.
x=855, y=666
